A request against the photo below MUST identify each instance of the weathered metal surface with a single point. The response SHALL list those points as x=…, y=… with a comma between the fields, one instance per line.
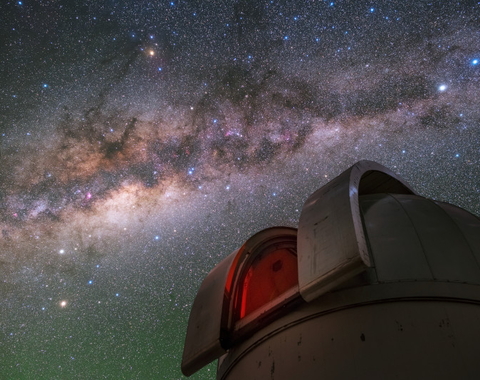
x=331, y=244
x=210, y=318
x=391, y=280
x=413, y=238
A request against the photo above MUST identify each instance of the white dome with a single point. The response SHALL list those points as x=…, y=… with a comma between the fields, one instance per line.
x=412, y=238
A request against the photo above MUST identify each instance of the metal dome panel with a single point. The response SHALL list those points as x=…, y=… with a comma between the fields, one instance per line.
x=331, y=242
x=203, y=342
x=469, y=225
x=414, y=238
x=211, y=324
x=396, y=249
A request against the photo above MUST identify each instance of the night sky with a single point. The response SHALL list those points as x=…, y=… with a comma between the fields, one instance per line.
x=141, y=142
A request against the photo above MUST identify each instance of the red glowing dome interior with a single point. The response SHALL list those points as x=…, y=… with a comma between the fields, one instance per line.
x=269, y=276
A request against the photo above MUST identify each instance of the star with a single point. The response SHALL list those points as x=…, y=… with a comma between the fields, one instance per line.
x=172, y=131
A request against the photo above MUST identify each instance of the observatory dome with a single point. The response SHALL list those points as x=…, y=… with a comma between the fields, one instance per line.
x=376, y=282
x=412, y=238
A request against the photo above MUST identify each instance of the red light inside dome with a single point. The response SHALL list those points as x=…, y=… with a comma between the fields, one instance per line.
x=269, y=276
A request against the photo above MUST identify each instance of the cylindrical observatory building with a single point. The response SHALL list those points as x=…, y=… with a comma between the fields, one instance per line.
x=377, y=282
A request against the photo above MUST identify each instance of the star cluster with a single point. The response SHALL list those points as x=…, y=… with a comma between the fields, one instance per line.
x=141, y=142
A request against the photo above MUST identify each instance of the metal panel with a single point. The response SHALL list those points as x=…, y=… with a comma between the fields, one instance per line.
x=203, y=340
x=331, y=242
x=468, y=224
x=210, y=325
x=446, y=250
x=434, y=339
x=395, y=247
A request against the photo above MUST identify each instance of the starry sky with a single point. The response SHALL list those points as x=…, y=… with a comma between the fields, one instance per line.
x=141, y=142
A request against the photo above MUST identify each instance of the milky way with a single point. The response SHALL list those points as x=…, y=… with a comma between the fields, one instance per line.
x=142, y=142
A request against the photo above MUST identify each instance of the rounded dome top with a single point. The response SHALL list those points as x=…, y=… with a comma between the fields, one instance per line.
x=412, y=238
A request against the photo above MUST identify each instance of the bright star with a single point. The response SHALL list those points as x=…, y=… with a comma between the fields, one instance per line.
x=442, y=87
